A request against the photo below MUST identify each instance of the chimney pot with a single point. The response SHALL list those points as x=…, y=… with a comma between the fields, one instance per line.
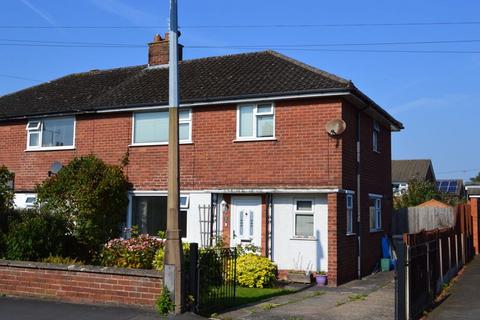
x=159, y=51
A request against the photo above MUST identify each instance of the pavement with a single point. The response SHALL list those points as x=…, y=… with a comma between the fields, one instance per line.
x=462, y=302
x=370, y=298
x=32, y=309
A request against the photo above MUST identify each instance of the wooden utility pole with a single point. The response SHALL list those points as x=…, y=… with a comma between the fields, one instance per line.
x=173, y=249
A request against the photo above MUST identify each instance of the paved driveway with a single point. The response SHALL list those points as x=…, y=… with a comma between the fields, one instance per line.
x=463, y=301
x=371, y=298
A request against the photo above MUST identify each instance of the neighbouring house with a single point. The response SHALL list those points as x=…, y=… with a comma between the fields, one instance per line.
x=404, y=171
x=451, y=188
x=257, y=164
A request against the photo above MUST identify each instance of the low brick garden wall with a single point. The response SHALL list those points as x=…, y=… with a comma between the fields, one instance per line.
x=81, y=284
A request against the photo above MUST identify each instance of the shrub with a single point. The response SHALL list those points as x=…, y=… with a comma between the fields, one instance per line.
x=158, y=260
x=93, y=197
x=36, y=235
x=6, y=191
x=164, y=303
x=246, y=249
x=62, y=260
x=255, y=271
x=137, y=252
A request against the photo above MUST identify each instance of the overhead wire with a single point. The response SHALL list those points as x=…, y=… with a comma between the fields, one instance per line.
x=254, y=26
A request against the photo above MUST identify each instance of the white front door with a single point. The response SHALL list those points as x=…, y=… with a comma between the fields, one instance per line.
x=246, y=221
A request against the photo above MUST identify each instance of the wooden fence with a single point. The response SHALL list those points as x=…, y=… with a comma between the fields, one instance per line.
x=417, y=219
x=429, y=259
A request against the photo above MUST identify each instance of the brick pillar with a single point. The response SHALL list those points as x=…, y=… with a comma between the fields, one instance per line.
x=227, y=221
x=474, y=211
x=264, y=226
x=332, y=240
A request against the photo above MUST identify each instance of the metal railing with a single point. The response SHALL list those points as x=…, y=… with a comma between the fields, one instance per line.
x=212, y=278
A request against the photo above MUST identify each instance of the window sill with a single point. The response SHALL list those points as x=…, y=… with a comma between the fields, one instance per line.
x=350, y=234
x=304, y=238
x=376, y=151
x=254, y=139
x=376, y=230
x=50, y=149
x=133, y=145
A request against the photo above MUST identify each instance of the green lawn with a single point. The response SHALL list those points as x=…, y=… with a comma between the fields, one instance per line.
x=248, y=295
x=243, y=296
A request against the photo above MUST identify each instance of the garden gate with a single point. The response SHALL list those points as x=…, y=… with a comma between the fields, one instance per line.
x=212, y=279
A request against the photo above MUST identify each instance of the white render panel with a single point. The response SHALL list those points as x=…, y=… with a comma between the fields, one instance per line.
x=193, y=215
x=290, y=253
x=21, y=198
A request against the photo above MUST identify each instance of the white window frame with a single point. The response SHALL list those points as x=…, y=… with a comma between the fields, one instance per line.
x=255, y=115
x=303, y=212
x=30, y=204
x=187, y=201
x=378, y=212
x=39, y=130
x=188, y=121
x=349, y=206
x=147, y=193
x=376, y=136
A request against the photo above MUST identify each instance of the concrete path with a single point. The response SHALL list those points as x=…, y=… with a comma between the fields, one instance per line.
x=371, y=298
x=32, y=309
x=463, y=301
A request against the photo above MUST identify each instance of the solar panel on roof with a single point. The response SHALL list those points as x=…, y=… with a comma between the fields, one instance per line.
x=447, y=186
x=444, y=184
x=452, y=189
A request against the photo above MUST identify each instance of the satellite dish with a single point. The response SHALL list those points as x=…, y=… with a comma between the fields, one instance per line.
x=335, y=127
x=55, y=167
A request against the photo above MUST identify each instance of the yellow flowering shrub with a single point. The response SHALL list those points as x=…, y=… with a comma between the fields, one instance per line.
x=255, y=271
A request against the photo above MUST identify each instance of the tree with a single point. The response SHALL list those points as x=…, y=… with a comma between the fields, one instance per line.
x=475, y=179
x=6, y=192
x=417, y=193
x=91, y=195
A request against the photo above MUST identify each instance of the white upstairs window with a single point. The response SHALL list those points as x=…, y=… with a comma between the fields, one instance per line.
x=151, y=128
x=255, y=121
x=51, y=133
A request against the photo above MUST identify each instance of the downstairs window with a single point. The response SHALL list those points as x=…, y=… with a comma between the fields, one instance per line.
x=149, y=213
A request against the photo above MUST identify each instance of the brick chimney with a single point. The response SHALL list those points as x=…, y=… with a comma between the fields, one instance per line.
x=158, y=51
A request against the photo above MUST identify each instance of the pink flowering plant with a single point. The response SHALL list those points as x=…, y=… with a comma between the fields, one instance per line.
x=136, y=252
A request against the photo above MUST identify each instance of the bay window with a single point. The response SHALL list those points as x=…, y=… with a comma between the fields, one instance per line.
x=149, y=214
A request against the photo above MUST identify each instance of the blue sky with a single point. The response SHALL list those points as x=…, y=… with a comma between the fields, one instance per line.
x=434, y=95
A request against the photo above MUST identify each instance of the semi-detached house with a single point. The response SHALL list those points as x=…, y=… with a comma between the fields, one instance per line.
x=253, y=148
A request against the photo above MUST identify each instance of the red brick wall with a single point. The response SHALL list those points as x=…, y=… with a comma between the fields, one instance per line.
x=302, y=156
x=375, y=170
x=474, y=210
x=333, y=244
x=44, y=281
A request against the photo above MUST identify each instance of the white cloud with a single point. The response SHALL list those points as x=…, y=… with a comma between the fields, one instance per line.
x=126, y=11
x=45, y=16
